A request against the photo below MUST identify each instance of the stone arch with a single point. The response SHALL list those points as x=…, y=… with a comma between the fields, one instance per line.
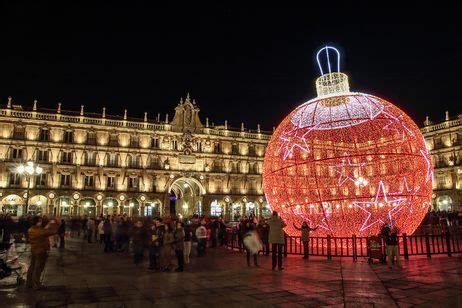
x=13, y=205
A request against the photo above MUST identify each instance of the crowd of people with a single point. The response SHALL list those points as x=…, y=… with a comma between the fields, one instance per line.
x=162, y=240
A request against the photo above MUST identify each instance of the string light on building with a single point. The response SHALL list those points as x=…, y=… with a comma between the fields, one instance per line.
x=347, y=162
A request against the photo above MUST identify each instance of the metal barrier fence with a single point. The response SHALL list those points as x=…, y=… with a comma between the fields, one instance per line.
x=356, y=247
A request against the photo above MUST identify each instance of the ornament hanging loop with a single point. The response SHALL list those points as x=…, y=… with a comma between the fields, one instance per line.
x=326, y=50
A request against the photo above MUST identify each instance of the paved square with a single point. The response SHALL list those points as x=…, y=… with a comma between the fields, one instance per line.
x=84, y=276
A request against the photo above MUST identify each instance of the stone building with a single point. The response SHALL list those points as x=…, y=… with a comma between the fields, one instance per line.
x=444, y=140
x=96, y=163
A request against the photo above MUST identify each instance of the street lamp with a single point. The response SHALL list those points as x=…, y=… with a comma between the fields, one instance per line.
x=29, y=169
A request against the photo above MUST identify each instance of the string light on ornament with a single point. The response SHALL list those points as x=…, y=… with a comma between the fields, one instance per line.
x=347, y=162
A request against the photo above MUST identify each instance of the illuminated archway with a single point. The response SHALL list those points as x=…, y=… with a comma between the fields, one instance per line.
x=89, y=206
x=13, y=205
x=37, y=205
x=187, y=193
x=152, y=208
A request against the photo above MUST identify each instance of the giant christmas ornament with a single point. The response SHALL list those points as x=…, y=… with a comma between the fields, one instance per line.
x=347, y=163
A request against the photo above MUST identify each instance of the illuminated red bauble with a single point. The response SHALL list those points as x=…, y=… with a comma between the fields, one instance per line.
x=348, y=163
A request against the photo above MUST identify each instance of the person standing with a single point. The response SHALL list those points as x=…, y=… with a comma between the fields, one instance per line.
x=392, y=247
x=305, y=236
x=101, y=231
x=157, y=237
x=90, y=229
x=107, y=229
x=240, y=233
x=39, y=243
x=139, y=237
x=201, y=235
x=263, y=232
x=187, y=242
x=276, y=239
x=179, y=236
x=62, y=233
x=166, y=250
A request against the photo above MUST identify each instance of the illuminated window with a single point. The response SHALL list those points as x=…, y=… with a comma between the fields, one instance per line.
x=44, y=134
x=111, y=182
x=65, y=180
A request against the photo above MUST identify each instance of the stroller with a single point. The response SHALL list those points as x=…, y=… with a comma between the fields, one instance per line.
x=9, y=263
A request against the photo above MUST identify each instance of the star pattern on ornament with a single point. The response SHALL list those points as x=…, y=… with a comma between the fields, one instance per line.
x=379, y=215
x=429, y=174
x=403, y=130
x=295, y=138
x=407, y=190
x=346, y=162
x=394, y=210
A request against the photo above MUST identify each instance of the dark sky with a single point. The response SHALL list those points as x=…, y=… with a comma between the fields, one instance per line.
x=241, y=63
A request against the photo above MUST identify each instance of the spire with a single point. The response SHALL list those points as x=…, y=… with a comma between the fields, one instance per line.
x=81, y=110
x=104, y=112
x=125, y=114
x=9, y=102
x=206, y=122
x=242, y=127
x=187, y=98
x=59, y=108
x=447, y=116
x=226, y=124
x=427, y=121
x=181, y=101
x=34, y=108
x=258, y=128
x=145, y=117
x=166, y=118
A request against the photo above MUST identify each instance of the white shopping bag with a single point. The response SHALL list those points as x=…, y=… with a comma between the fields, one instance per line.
x=253, y=243
x=12, y=254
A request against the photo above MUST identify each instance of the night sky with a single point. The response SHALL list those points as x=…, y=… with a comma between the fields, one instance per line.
x=241, y=63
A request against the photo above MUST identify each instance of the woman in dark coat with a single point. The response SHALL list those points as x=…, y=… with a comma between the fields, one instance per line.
x=139, y=239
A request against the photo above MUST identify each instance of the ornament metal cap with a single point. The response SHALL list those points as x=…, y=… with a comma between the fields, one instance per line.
x=331, y=82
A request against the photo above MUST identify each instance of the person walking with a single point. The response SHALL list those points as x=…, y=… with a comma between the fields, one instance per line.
x=201, y=235
x=305, y=236
x=276, y=239
x=252, y=243
x=39, y=243
x=179, y=236
x=187, y=242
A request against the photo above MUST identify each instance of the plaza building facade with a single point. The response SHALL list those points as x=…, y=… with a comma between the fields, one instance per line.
x=99, y=164
x=444, y=140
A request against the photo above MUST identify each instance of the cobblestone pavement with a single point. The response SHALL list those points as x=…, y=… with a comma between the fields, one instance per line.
x=84, y=276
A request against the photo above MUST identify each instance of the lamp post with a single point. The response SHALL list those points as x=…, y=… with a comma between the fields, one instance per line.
x=28, y=169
